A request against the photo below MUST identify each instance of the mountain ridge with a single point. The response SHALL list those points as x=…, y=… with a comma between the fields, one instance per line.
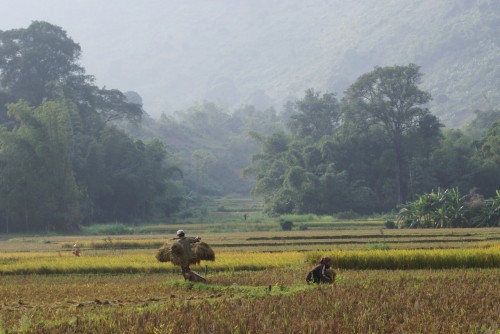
x=263, y=53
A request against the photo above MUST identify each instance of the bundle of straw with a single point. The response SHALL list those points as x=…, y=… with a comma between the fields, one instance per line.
x=163, y=254
x=175, y=253
x=203, y=251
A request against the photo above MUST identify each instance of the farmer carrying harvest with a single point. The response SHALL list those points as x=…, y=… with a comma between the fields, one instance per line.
x=186, y=245
x=185, y=251
x=321, y=273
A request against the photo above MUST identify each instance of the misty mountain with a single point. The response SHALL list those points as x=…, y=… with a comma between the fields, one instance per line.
x=264, y=53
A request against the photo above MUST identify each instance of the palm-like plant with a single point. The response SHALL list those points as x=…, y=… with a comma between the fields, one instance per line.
x=439, y=209
x=488, y=213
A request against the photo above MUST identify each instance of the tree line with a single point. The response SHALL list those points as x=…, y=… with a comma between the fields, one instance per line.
x=375, y=149
x=63, y=162
x=72, y=153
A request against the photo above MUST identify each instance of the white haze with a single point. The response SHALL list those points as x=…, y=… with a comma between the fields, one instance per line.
x=170, y=52
x=175, y=53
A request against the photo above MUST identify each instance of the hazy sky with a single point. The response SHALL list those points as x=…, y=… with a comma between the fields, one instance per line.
x=78, y=17
x=113, y=35
x=175, y=53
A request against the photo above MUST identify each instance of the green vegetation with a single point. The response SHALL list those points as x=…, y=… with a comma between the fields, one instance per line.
x=77, y=167
x=448, y=208
x=73, y=155
x=382, y=150
x=62, y=161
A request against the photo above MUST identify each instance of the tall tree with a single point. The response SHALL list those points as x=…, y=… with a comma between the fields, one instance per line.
x=487, y=178
x=37, y=184
x=39, y=64
x=36, y=62
x=130, y=178
x=452, y=160
x=390, y=97
x=317, y=115
x=491, y=143
x=32, y=58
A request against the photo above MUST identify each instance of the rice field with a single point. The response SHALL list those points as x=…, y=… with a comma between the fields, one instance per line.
x=274, y=300
x=122, y=262
x=269, y=240
x=388, y=281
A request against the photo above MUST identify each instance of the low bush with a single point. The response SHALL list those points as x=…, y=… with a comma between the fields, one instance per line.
x=286, y=225
x=389, y=224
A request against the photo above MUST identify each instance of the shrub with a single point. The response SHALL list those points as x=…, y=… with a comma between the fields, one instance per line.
x=389, y=224
x=286, y=225
x=448, y=208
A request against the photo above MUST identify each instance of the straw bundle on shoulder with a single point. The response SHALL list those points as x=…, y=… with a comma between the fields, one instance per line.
x=203, y=251
x=163, y=254
x=174, y=252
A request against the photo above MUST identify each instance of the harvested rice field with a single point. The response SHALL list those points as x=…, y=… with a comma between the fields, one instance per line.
x=278, y=240
x=387, y=281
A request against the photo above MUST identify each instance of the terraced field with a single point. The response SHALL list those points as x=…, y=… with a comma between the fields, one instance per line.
x=388, y=281
x=322, y=235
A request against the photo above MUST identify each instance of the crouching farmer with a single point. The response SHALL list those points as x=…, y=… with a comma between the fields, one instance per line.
x=321, y=273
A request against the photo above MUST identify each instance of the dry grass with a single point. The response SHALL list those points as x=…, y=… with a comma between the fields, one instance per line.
x=421, y=301
x=253, y=290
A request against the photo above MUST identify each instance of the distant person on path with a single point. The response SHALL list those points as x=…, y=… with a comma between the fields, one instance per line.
x=321, y=274
x=76, y=250
x=186, y=245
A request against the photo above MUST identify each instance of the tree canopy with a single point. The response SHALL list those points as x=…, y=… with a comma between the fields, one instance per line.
x=72, y=153
x=389, y=97
x=384, y=149
x=63, y=162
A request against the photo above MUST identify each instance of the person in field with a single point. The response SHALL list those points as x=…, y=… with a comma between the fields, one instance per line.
x=76, y=250
x=186, y=245
x=320, y=273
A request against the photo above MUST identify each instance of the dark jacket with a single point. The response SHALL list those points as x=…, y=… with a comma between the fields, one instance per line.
x=318, y=275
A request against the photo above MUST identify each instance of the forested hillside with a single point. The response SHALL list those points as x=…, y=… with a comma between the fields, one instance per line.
x=73, y=153
x=264, y=53
x=62, y=161
x=375, y=149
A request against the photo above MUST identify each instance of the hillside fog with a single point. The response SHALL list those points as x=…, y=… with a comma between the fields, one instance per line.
x=265, y=53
